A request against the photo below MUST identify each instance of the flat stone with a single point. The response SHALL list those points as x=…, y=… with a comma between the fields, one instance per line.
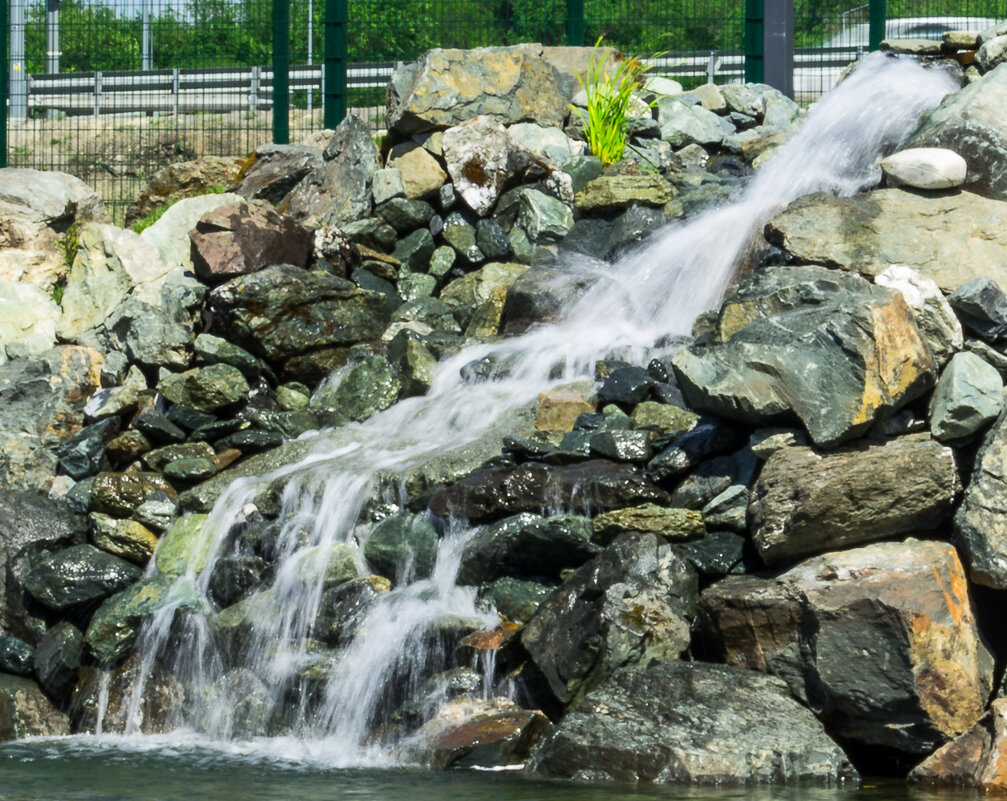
x=670, y=524
x=77, y=576
x=609, y=193
x=127, y=539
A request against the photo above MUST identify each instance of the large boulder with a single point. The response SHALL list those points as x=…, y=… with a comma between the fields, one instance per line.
x=184, y=179
x=41, y=406
x=339, y=191
x=36, y=209
x=78, y=576
x=28, y=320
x=284, y=310
x=828, y=348
x=971, y=123
x=981, y=522
x=496, y=492
x=241, y=238
x=806, y=502
x=31, y=527
x=690, y=722
x=631, y=604
x=880, y=642
x=965, y=235
x=109, y=263
x=170, y=234
x=447, y=87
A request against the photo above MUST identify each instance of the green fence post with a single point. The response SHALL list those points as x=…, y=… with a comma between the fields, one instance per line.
x=575, y=23
x=877, y=14
x=281, y=70
x=334, y=77
x=754, y=41
x=4, y=74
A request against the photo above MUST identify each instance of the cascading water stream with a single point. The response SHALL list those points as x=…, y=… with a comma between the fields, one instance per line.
x=333, y=699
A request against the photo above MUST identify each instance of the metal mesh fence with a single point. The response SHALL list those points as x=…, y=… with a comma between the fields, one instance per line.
x=132, y=85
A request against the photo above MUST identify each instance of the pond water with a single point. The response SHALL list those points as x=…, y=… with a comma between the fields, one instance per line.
x=167, y=769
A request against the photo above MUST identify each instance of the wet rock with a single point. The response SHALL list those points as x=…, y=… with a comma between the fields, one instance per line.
x=58, y=658
x=705, y=439
x=107, y=691
x=468, y=733
x=405, y=215
x=402, y=548
x=241, y=238
x=595, y=484
x=969, y=123
x=118, y=494
x=880, y=642
x=16, y=657
x=672, y=525
x=276, y=170
x=77, y=576
x=675, y=722
x=972, y=760
x=716, y=555
x=925, y=168
x=663, y=418
x=785, y=344
x=464, y=295
x=413, y=363
x=340, y=190
x=116, y=624
x=538, y=296
x=806, y=502
x=982, y=307
x=283, y=311
x=185, y=546
x=629, y=605
x=879, y=229
x=27, y=712
x=81, y=455
x=127, y=539
x=628, y=385
x=526, y=545
x=969, y=395
x=368, y=387
x=980, y=529
x=517, y=599
x=344, y=608
x=623, y=446
x=235, y=577
x=447, y=87
x=157, y=428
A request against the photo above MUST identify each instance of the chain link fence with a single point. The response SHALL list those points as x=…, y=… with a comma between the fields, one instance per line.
x=113, y=90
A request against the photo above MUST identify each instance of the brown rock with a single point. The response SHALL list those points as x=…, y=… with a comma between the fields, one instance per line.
x=422, y=174
x=184, y=179
x=976, y=759
x=558, y=411
x=241, y=238
x=880, y=641
x=807, y=502
x=26, y=712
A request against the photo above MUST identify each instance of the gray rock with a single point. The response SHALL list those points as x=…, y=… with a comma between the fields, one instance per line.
x=277, y=169
x=214, y=350
x=446, y=87
x=16, y=657
x=982, y=308
x=282, y=311
x=970, y=123
x=466, y=294
x=676, y=723
x=851, y=632
x=37, y=207
x=340, y=190
x=479, y=157
x=806, y=502
x=27, y=712
x=543, y=217
x=629, y=605
x=517, y=599
x=28, y=321
x=368, y=387
x=992, y=53
x=81, y=455
x=33, y=394
x=79, y=575
x=415, y=250
x=784, y=347
x=969, y=395
x=461, y=235
x=405, y=215
x=870, y=232
x=682, y=124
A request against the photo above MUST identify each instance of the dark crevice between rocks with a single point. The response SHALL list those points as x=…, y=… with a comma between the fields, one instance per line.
x=988, y=605
x=879, y=761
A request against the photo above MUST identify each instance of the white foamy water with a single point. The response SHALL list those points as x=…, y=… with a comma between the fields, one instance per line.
x=332, y=700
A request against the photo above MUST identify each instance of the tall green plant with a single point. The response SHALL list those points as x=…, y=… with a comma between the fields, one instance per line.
x=613, y=102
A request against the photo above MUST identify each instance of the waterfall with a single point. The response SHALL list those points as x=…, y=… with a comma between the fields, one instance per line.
x=332, y=700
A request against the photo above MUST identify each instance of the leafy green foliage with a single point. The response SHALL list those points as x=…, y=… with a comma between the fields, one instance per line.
x=612, y=103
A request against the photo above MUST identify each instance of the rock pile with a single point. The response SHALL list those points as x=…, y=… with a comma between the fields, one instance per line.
x=769, y=544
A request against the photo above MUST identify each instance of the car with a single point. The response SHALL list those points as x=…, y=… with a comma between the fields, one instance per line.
x=816, y=70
